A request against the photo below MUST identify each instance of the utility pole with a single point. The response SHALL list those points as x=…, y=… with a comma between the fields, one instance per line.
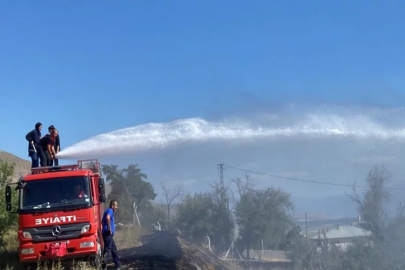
x=221, y=179
x=306, y=226
x=221, y=174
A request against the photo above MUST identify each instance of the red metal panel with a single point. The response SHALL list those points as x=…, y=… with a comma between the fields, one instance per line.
x=54, y=169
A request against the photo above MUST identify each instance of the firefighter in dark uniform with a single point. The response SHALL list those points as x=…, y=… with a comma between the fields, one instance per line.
x=55, y=161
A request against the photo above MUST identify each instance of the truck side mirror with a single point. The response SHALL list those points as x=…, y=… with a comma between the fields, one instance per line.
x=101, y=189
x=8, y=198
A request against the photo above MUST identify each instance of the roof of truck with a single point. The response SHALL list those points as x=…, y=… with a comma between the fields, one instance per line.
x=82, y=168
x=57, y=174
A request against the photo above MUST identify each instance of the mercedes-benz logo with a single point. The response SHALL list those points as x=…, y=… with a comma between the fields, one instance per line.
x=56, y=230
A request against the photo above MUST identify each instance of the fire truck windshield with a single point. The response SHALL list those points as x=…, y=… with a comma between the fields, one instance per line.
x=55, y=193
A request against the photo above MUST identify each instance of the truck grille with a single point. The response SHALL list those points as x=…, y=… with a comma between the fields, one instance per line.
x=67, y=231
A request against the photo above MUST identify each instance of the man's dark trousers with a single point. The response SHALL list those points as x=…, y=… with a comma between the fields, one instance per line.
x=49, y=160
x=42, y=157
x=34, y=159
x=109, y=246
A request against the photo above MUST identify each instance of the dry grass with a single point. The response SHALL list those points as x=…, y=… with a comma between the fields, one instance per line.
x=58, y=266
x=10, y=261
x=11, y=239
x=129, y=237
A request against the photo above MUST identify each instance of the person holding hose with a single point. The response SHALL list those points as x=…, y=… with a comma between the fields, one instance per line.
x=108, y=231
x=57, y=147
x=46, y=149
x=33, y=138
x=55, y=161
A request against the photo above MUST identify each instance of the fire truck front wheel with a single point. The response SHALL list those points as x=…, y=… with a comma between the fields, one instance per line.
x=95, y=260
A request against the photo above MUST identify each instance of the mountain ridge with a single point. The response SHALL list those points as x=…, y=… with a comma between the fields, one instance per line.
x=21, y=166
x=337, y=207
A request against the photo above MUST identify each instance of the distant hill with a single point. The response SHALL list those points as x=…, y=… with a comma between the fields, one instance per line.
x=21, y=166
x=333, y=207
x=337, y=207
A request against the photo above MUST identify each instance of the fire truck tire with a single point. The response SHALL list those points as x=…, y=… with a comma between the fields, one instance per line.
x=29, y=266
x=95, y=260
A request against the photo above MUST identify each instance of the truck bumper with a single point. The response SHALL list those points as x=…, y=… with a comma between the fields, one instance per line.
x=75, y=248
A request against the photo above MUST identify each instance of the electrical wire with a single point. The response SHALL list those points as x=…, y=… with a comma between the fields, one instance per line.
x=302, y=180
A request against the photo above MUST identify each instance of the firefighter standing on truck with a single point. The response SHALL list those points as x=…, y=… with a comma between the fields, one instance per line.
x=54, y=135
x=108, y=223
x=46, y=149
x=55, y=161
x=33, y=138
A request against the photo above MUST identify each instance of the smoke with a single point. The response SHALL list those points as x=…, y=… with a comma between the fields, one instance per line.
x=324, y=123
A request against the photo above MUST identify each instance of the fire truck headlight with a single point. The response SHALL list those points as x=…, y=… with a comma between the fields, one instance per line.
x=26, y=235
x=86, y=244
x=27, y=251
x=85, y=228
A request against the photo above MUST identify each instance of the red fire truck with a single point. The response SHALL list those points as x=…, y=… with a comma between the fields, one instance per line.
x=60, y=210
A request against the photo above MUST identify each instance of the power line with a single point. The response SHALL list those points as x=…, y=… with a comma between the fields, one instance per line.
x=302, y=180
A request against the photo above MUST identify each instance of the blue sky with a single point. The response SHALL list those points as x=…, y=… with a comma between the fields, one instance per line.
x=89, y=67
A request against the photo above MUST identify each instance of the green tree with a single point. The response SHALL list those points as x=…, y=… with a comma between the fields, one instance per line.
x=394, y=237
x=8, y=221
x=171, y=196
x=222, y=218
x=195, y=215
x=129, y=187
x=293, y=238
x=371, y=208
x=263, y=215
x=207, y=214
x=6, y=172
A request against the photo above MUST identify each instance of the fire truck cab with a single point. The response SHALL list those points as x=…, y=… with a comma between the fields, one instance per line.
x=60, y=210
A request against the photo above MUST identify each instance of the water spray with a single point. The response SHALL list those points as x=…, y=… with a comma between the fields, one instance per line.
x=155, y=136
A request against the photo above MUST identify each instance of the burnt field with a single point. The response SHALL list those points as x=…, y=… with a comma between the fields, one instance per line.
x=165, y=250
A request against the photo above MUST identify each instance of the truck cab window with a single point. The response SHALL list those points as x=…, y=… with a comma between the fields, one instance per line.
x=56, y=192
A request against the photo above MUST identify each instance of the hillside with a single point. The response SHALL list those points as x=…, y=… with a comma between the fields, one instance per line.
x=21, y=166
